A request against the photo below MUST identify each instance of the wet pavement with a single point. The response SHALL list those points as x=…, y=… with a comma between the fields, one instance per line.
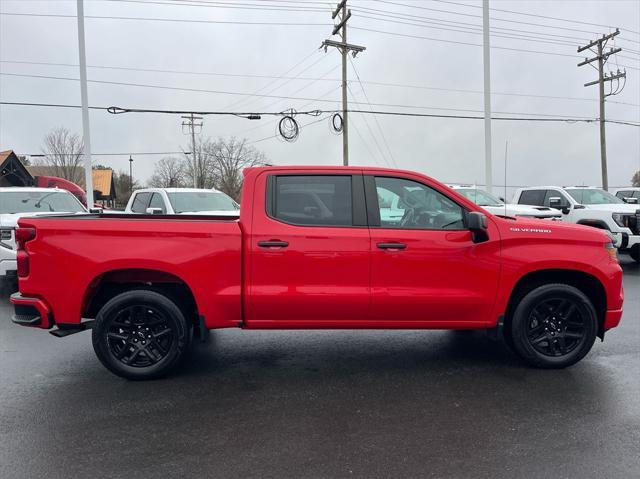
x=323, y=404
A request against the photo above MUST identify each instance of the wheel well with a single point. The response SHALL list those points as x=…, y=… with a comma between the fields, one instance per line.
x=595, y=224
x=585, y=282
x=112, y=283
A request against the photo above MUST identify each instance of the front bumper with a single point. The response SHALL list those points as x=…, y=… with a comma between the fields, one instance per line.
x=612, y=318
x=32, y=312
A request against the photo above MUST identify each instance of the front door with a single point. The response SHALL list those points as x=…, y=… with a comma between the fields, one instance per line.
x=309, y=261
x=425, y=267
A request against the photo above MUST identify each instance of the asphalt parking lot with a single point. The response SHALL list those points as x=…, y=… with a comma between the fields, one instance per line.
x=323, y=404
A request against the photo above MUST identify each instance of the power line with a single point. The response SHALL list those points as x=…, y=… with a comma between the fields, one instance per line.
x=178, y=20
x=453, y=12
x=521, y=50
x=531, y=15
x=119, y=110
x=313, y=79
x=366, y=97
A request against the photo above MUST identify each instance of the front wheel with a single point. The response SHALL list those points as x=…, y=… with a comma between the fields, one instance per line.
x=634, y=252
x=554, y=326
x=140, y=334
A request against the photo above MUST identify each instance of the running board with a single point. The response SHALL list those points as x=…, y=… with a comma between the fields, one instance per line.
x=72, y=329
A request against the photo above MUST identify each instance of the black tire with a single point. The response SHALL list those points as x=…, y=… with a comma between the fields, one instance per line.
x=634, y=252
x=140, y=334
x=553, y=326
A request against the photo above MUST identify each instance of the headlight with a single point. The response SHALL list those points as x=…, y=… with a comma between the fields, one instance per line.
x=612, y=251
x=621, y=219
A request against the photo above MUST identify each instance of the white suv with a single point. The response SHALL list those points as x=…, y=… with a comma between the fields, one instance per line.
x=182, y=201
x=590, y=206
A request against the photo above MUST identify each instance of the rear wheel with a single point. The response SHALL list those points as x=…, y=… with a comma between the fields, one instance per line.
x=140, y=334
x=554, y=326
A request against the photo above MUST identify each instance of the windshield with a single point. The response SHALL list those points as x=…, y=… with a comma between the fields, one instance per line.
x=194, y=201
x=479, y=197
x=593, y=196
x=39, y=202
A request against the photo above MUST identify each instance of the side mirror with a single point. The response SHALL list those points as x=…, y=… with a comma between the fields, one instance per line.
x=154, y=211
x=95, y=211
x=501, y=199
x=478, y=224
x=631, y=200
x=555, y=202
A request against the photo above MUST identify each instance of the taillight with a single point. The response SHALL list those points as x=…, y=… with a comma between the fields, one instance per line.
x=23, y=236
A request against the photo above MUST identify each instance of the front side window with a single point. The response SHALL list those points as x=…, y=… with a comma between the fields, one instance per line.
x=408, y=204
x=624, y=194
x=39, y=202
x=157, y=202
x=594, y=196
x=313, y=200
x=140, y=202
x=564, y=202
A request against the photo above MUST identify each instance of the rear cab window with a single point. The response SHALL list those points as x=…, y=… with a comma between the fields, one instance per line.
x=316, y=200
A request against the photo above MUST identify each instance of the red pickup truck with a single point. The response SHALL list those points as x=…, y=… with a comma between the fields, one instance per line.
x=318, y=247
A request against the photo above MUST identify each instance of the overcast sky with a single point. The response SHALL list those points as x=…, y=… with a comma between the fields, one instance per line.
x=233, y=54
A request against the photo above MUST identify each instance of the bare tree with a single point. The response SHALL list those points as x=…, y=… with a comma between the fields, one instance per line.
x=168, y=173
x=63, y=151
x=635, y=179
x=121, y=181
x=225, y=159
x=198, y=170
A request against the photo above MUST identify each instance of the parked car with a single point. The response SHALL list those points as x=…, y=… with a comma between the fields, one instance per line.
x=181, y=201
x=629, y=195
x=17, y=202
x=145, y=284
x=590, y=206
x=497, y=206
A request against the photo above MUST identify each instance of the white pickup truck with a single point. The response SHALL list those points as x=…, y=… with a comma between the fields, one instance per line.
x=18, y=202
x=497, y=206
x=590, y=206
x=178, y=201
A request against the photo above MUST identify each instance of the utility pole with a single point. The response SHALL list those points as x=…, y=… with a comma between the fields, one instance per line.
x=486, y=60
x=602, y=57
x=191, y=123
x=345, y=48
x=130, y=175
x=86, y=133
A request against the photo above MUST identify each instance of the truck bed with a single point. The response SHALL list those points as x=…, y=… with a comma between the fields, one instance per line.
x=78, y=253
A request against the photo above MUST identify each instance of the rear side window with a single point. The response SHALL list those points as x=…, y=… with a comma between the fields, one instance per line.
x=623, y=194
x=140, y=202
x=532, y=197
x=314, y=200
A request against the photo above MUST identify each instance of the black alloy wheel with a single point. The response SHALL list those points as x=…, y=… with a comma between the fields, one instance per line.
x=141, y=334
x=553, y=326
x=556, y=327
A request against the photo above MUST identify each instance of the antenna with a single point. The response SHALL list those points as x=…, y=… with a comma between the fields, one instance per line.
x=506, y=149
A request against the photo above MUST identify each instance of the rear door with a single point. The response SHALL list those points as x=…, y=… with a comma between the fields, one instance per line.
x=309, y=244
x=425, y=269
